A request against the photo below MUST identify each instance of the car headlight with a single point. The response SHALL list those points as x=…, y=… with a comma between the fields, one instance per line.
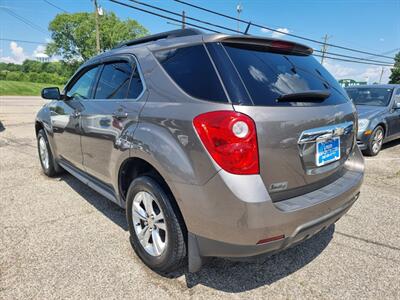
x=362, y=124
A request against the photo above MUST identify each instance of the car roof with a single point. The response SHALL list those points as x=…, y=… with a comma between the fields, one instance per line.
x=183, y=37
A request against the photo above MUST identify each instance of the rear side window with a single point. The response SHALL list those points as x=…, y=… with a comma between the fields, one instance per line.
x=268, y=75
x=192, y=71
x=114, y=81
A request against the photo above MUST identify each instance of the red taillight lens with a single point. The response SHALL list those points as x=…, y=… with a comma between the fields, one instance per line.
x=231, y=139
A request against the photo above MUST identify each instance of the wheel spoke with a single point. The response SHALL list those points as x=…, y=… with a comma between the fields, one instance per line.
x=144, y=236
x=139, y=212
x=158, y=217
x=161, y=225
x=158, y=245
x=148, y=203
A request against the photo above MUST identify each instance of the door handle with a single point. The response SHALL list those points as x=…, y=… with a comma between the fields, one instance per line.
x=76, y=114
x=120, y=115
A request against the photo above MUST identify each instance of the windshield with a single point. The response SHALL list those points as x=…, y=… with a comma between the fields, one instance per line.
x=370, y=96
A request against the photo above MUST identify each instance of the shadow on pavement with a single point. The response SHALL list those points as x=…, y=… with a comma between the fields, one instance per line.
x=391, y=144
x=102, y=204
x=236, y=277
x=218, y=273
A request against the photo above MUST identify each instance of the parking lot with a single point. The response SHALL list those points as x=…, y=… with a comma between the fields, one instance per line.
x=60, y=239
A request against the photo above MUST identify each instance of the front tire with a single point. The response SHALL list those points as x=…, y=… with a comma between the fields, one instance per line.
x=49, y=165
x=156, y=233
x=375, y=141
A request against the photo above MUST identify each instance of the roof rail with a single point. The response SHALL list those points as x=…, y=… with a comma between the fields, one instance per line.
x=162, y=35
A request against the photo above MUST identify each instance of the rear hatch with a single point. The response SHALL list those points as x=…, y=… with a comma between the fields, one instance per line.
x=304, y=119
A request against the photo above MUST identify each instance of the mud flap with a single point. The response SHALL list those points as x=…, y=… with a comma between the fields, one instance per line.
x=195, y=260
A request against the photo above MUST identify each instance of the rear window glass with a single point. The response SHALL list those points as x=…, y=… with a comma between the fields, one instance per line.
x=192, y=71
x=268, y=75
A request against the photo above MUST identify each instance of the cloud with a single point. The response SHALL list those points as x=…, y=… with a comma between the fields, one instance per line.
x=281, y=33
x=357, y=72
x=381, y=39
x=275, y=34
x=39, y=50
x=17, y=54
x=338, y=70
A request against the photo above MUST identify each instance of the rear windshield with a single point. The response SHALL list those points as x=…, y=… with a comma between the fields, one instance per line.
x=370, y=96
x=268, y=75
x=192, y=70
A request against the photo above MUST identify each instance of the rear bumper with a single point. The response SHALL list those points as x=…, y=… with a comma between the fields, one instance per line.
x=231, y=213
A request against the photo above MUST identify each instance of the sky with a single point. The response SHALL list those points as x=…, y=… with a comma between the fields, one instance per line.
x=367, y=25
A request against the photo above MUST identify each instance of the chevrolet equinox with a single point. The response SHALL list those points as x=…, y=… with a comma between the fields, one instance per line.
x=216, y=145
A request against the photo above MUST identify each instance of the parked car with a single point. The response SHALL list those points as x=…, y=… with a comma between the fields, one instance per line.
x=216, y=145
x=378, y=108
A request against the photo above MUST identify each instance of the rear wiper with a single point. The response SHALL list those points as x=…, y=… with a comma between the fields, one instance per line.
x=309, y=96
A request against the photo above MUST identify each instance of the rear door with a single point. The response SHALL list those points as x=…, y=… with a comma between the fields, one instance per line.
x=107, y=118
x=393, y=118
x=302, y=144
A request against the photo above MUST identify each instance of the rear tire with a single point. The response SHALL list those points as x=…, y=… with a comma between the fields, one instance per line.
x=47, y=161
x=156, y=233
x=375, y=141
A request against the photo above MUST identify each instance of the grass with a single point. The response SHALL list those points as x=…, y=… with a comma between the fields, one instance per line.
x=22, y=88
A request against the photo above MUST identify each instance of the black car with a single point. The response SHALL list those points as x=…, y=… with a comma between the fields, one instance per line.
x=378, y=108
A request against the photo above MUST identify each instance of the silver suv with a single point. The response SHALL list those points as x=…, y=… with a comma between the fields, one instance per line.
x=216, y=145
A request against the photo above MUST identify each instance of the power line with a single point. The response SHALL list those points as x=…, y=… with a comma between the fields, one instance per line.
x=163, y=16
x=354, y=61
x=186, y=17
x=24, y=20
x=59, y=8
x=279, y=31
x=22, y=41
x=379, y=63
x=353, y=57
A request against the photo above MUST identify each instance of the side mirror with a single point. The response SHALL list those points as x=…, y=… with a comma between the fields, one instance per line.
x=51, y=93
x=397, y=104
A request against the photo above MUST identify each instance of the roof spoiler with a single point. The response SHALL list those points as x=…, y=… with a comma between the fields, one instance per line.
x=162, y=35
x=268, y=44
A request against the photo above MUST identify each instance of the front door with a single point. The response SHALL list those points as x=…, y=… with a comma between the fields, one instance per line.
x=110, y=117
x=393, y=119
x=65, y=117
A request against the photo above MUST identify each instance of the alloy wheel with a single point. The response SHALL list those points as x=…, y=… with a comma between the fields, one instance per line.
x=44, y=153
x=377, y=141
x=149, y=223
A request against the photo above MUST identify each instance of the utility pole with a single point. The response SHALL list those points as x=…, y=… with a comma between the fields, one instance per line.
x=96, y=13
x=380, y=78
x=183, y=19
x=324, y=48
x=239, y=9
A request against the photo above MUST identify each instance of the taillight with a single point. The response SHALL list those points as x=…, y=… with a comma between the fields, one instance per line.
x=231, y=139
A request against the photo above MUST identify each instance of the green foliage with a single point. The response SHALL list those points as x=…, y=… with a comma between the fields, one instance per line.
x=21, y=88
x=395, y=76
x=35, y=71
x=74, y=35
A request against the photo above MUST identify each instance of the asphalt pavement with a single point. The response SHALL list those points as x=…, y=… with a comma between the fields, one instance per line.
x=60, y=239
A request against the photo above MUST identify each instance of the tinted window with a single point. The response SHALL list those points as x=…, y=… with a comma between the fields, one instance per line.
x=191, y=69
x=370, y=96
x=136, y=85
x=82, y=88
x=114, y=81
x=269, y=75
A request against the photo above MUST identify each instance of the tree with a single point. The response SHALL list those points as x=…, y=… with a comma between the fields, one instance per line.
x=395, y=76
x=74, y=36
